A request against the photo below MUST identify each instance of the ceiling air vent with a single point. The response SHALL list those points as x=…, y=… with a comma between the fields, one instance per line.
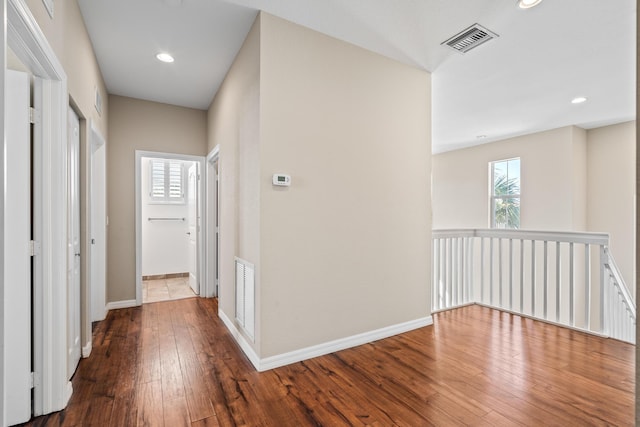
x=470, y=38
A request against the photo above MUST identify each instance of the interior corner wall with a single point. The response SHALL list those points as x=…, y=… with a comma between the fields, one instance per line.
x=233, y=125
x=346, y=248
x=136, y=124
x=548, y=182
x=611, y=183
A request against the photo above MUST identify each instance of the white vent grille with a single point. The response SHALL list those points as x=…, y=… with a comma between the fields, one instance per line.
x=245, y=296
x=470, y=38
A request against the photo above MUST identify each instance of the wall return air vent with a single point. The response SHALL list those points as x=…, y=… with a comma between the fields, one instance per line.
x=470, y=38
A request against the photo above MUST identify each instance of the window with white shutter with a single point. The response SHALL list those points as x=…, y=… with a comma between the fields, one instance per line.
x=166, y=181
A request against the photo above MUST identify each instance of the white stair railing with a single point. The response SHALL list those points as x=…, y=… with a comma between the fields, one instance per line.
x=565, y=278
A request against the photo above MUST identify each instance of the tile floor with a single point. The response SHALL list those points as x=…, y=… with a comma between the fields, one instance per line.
x=166, y=289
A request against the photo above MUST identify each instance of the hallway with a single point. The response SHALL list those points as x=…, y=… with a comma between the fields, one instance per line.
x=174, y=364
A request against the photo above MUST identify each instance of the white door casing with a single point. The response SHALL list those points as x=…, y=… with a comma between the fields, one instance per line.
x=17, y=273
x=73, y=272
x=192, y=221
x=97, y=225
x=212, y=223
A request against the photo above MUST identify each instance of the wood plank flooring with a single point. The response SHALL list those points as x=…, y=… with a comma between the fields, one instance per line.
x=175, y=364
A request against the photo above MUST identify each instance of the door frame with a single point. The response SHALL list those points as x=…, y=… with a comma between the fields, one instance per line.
x=200, y=160
x=212, y=204
x=74, y=278
x=97, y=230
x=52, y=389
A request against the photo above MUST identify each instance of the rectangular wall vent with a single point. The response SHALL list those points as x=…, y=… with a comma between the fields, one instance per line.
x=245, y=296
x=470, y=38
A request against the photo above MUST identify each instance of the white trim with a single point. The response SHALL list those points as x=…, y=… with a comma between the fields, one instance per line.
x=200, y=160
x=240, y=339
x=114, y=305
x=86, y=349
x=295, y=356
x=97, y=252
x=28, y=42
x=210, y=273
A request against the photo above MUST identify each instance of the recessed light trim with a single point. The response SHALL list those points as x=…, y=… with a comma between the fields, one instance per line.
x=579, y=100
x=527, y=4
x=165, y=57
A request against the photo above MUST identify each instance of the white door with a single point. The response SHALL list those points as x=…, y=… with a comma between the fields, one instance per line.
x=192, y=214
x=73, y=274
x=17, y=227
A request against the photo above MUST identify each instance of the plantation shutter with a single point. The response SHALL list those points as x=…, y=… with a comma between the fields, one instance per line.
x=167, y=181
x=174, y=170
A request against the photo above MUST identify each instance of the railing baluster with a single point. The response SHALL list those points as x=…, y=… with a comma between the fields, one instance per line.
x=545, y=280
x=454, y=271
x=482, y=269
x=435, y=261
x=463, y=269
x=558, y=281
x=603, y=261
x=470, y=291
x=571, y=285
x=510, y=274
x=460, y=271
x=491, y=261
x=533, y=277
x=521, y=275
x=449, y=282
x=587, y=288
x=500, y=272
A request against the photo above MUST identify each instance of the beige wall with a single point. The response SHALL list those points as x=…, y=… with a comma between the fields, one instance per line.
x=611, y=182
x=139, y=125
x=342, y=251
x=234, y=117
x=552, y=167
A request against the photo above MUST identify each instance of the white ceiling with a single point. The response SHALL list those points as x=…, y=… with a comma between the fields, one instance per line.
x=519, y=83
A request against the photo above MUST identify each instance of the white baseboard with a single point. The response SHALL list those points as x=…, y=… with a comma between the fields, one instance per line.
x=86, y=350
x=114, y=305
x=295, y=356
x=240, y=339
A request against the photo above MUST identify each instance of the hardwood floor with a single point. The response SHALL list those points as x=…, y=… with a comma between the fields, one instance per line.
x=175, y=364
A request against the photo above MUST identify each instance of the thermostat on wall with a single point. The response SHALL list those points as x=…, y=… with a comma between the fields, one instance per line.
x=281, y=179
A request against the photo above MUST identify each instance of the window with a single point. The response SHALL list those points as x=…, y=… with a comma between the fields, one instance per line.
x=505, y=193
x=166, y=181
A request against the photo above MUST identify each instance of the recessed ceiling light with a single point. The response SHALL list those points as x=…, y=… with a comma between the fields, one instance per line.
x=164, y=57
x=526, y=4
x=579, y=100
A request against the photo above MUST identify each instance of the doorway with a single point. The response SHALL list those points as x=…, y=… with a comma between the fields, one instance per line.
x=213, y=223
x=169, y=226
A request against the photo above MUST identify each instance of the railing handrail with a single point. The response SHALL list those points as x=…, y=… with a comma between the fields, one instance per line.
x=590, y=238
x=546, y=275
x=613, y=267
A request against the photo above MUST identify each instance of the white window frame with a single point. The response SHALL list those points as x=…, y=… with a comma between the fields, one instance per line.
x=166, y=195
x=493, y=197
